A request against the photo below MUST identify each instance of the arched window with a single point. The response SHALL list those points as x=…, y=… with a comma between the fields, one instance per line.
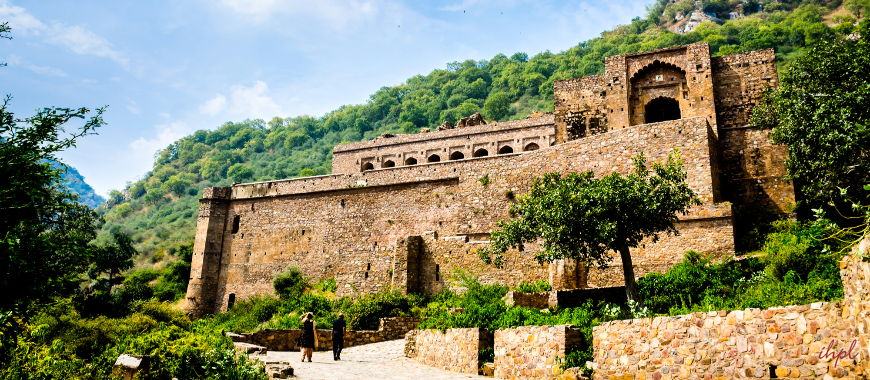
x=231, y=301
x=411, y=161
x=481, y=153
x=662, y=109
x=457, y=156
x=531, y=147
x=368, y=166
x=505, y=150
x=434, y=158
x=388, y=164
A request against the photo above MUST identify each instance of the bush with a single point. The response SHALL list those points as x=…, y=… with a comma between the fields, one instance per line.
x=539, y=286
x=290, y=284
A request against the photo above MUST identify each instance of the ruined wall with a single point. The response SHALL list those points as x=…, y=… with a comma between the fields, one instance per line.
x=752, y=169
x=617, y=98
x=455, y=350
x=793, y=341
x=205, y=262
x=346, y=226
x=477, y=141
x=530, y=352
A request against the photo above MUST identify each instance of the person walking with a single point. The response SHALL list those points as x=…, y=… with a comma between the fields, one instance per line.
x=338, y=330
x=308, y=338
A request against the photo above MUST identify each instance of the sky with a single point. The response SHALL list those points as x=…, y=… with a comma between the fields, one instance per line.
x=168, y=68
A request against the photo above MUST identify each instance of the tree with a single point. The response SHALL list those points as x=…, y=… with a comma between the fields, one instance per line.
x=497, y=106
x=290, y=284
x=240, y=173
x=44, y=231
x=821, y=112
x=114, y=258
x=176, y=184
x=585, y=219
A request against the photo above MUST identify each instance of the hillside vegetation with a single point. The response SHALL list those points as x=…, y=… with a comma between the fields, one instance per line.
x=159, y=210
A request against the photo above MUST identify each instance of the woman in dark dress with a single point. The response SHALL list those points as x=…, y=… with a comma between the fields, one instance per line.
x=308, y=338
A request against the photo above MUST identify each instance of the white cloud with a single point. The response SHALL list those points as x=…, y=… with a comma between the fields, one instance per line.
x=75, y=38
x=45, y=70
x=19, y=19
x=213, y=106
x=254, y=101
x=337, y=14
x=167, y=134
x=82, y=41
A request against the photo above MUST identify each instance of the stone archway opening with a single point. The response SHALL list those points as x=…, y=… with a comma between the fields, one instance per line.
x=506, y=150
x=368, y=166
x=481, y=153
x=411, y=161
x=457, y=156
x=662, y=109
x=434, y=158
x=531, y=147
x=388, y=164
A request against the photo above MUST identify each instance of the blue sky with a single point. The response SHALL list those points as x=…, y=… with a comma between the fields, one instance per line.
x=168, y=68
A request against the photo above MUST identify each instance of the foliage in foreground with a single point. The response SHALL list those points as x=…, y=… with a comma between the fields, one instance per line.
x=821, y=112
x=60, y=344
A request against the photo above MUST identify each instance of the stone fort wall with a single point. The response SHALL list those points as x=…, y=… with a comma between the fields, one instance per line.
x=349, y=226
x=410, y=226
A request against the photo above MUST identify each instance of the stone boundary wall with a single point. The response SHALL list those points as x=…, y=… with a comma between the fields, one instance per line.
x=455, y=350
x=792, y=341
x=535, y=300
x=565, y=298
x=577, y=297
x=285, y=339
x=530, y=352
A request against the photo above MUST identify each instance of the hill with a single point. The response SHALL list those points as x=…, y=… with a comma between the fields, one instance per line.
x=159, y=211
x=77, y=185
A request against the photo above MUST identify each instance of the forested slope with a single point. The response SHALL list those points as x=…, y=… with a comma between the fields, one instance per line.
x=159, y=211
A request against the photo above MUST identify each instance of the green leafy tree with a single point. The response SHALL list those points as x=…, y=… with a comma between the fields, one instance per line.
x=176, y=184
x=858, y=6
x=585, y=219
x=497, y=106
x=240, y=173
x=290, y=284
x=821, y=111
x=154, y=195
x=44, y=232
x=114, y=258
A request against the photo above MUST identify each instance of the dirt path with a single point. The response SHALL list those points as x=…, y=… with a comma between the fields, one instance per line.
x=381, y=361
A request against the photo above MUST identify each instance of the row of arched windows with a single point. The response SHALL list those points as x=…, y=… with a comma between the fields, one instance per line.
x=453, y=157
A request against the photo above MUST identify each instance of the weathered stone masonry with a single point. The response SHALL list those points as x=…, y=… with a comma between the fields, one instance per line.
x=409, y=226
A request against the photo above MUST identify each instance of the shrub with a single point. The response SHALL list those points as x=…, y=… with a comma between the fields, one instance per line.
x=539, y=286
x=290, y=284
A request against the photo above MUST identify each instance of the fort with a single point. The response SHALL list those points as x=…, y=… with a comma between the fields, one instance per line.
x=406, y=211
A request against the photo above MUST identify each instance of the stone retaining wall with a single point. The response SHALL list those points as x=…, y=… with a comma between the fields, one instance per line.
x=530, y=352
x=285, y=339
x=535, y=300
x=795, y=341
x=455, y=350
x=577, y=297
